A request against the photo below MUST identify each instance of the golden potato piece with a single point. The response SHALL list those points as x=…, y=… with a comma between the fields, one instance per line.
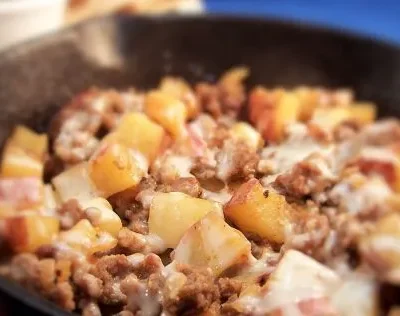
x=17, y=163
x=100, y=213
x=168, y=111
x=137, y=131
x=115, y=168
x=33, y=144
x=171, y=214
x=74, y=183
x=212, y=243
x=363, y=113
x=272, y=111
x=262, y=213
x=28, y=233
x=247, y=134
x=180, y=89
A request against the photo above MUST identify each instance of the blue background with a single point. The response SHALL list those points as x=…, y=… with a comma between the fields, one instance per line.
x=374, y=18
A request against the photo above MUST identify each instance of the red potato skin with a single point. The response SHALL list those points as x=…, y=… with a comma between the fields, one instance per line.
x=16, y=227
x=242, y=193
x=384, y=168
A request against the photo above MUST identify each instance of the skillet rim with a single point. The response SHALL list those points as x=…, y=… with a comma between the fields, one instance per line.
x=39, y=304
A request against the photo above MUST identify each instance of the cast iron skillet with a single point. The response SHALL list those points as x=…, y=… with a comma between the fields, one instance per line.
x=39, y=76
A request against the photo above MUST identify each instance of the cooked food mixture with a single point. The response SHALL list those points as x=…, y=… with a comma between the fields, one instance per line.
x=168, y=202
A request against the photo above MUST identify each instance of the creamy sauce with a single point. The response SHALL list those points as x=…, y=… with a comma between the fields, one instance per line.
x=357, y=296
x=296, y=148
x=141, y=160
x=354, y=200
x=222, y=197
x=297, y=278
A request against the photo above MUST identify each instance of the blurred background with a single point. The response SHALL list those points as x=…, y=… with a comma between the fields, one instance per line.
x=23, y=19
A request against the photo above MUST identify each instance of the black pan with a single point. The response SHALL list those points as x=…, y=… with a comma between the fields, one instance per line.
x=39, y=76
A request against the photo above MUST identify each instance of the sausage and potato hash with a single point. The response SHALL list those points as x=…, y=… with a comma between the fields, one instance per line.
x=164, y=202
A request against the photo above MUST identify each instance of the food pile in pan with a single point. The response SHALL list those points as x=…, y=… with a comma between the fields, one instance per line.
x=171, y=202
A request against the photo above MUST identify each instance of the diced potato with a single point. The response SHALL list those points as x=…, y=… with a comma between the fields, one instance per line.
x=17, y=163
x=363, y=113
x=171, y=214
x=99, y=211
x=84, y=237
x=104, y=242
x=247, y=134
x=7, y=210
x=23, y=154
x=21, y=193
x=212, y=243
x=168, y=111
x=328, y=118
x=137, y=131
x=382, y=247
x=33, y=144
x=261, y=99
x=273, y=111
x=28, y=233
x=180, y=89
x=115, y=168
x=74, y=183
x=309, y=99
x=81, y=236
x=252, y=210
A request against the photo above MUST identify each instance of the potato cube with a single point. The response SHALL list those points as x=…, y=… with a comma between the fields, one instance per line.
x=74, y=183
x=24, y=153
x=171, y=214
x=363, y=113
x=28, y=233
x=85, y=238
x=273, y=111
x=382, y=247
x=17, y=163
x=103, y=242
x=260, y=212
x=180, y=89
x=115, y=168
x=168, y=111
x=309, y=99
x=100, y=213
x=21, y=193
x=247, y=134
x=329, y=118
x=33, y=144
x=81, y=236
x=137, y=131
x=212, y=243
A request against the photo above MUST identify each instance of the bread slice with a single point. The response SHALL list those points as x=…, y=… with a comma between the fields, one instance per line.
x=79, y=10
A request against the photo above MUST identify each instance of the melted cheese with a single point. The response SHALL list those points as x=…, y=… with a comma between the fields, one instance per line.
x=296, y=148
x=354, y=200
x=297, y=278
